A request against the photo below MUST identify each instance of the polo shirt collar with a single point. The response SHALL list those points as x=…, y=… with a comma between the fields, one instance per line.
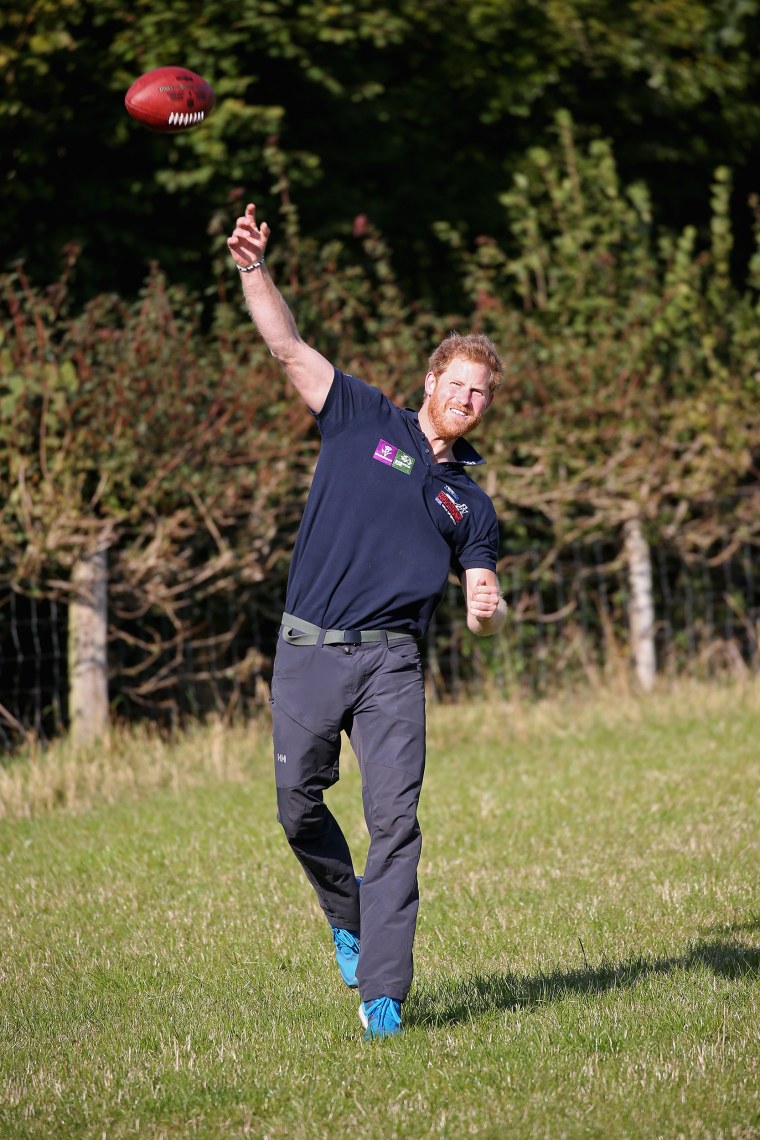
x=465, y=454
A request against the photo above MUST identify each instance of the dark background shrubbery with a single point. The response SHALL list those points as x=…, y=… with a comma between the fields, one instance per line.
x=409, y=113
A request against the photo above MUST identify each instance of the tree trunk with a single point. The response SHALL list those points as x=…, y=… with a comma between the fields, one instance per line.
x=641, y=612
x=88, y=654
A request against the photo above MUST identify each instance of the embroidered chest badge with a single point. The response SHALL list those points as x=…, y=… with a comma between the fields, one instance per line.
x=452, y=504
x=393, y=457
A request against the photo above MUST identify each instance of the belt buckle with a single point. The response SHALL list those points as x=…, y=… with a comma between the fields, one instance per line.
x=352, y=637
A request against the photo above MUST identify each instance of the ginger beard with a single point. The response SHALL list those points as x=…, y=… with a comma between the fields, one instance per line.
x=450, y=420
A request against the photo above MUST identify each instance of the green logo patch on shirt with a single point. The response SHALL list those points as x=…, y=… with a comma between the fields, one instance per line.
x=403, y=462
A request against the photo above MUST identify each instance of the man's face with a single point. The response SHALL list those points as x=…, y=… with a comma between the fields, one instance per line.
x=458, y=399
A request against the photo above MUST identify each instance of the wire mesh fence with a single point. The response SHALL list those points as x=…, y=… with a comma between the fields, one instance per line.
x=568, y=624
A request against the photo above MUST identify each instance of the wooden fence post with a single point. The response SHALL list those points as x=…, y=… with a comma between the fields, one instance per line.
x=641, y=614
x=88, y=647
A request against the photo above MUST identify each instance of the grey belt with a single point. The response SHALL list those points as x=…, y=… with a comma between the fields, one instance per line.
x=299, y=632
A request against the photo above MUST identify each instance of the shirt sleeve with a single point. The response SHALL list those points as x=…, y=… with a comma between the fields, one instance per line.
x=348, y=400
x=478, y=547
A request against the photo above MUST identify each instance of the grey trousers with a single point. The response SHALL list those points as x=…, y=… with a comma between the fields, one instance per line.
x=374, y=693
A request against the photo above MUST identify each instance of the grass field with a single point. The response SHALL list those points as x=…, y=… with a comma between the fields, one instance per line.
x=587, y=955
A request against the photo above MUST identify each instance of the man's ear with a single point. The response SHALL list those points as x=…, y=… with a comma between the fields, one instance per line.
x=430, y=383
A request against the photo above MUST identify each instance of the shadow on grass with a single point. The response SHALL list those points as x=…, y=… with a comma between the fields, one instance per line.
x=464, y=999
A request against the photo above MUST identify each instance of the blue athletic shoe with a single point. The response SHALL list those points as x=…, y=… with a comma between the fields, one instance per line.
x=381, y=1017
x=346, y=954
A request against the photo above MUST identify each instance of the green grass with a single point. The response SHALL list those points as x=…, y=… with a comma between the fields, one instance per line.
x=587, y=953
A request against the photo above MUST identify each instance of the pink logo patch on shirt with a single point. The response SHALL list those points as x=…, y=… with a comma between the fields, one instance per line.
x=385, y=452
x=394, y=457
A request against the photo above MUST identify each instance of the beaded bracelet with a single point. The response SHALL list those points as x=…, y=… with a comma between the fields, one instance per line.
x=250, y=268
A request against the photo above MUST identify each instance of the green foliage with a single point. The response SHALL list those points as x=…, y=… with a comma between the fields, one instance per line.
x=125, y=427
x=633, y=361
x=408, y=113
x=113, y=419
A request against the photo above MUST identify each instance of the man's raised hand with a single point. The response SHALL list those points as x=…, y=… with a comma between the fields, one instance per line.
x=248, y=240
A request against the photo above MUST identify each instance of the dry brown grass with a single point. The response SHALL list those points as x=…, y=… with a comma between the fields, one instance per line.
x=138, y=760
x=132, y=761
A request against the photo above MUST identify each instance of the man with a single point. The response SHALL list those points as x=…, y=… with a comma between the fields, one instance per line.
x=390, y=512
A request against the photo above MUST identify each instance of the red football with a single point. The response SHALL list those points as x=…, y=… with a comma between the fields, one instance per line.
x=170, y=99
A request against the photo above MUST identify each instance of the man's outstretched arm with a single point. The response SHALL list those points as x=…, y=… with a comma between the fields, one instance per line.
x=310, y=372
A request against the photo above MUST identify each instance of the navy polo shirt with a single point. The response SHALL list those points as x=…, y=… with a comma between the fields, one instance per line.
x=384, y=524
